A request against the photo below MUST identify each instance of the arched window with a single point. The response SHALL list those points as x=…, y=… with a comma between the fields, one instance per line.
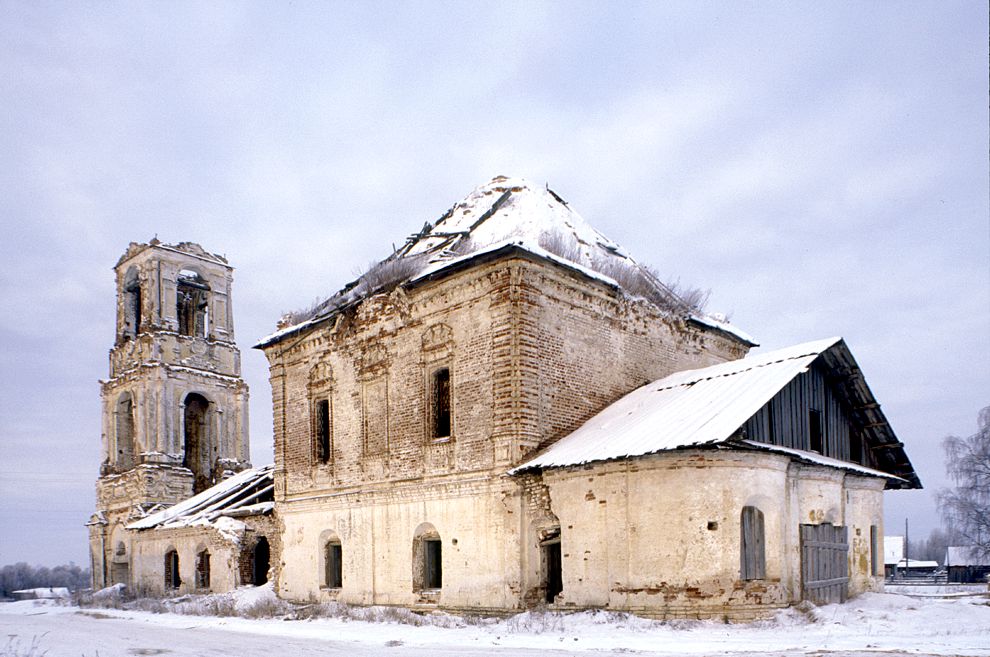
x=752, y=551
x=197, y=454
x=333, y=564
x=119, y=565
x=126, y=456
x=427, y=558
x=203, y=569
x=321, y=412
x=172, y=579
x=192, y=302
x=132, y=304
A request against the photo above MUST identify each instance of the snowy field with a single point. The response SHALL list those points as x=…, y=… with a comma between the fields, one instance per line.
x=948, y=622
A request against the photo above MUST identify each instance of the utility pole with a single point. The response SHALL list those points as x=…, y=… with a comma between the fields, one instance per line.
x=907, y=547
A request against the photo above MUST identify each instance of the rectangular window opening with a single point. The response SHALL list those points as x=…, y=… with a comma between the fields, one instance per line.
x=335, y=566
x=855, y=447
x=554, y=572
x=432, y=564
x=322, y=430
x=440, y=402
x=815, y=430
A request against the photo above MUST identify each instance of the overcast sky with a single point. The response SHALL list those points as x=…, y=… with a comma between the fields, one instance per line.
x=821, y=166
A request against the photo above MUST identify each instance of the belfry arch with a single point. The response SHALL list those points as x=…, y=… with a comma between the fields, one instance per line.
x=192, y=304
x=197, y=442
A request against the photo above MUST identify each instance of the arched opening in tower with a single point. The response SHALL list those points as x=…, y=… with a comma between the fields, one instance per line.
x=197, y=451
x=192, y=304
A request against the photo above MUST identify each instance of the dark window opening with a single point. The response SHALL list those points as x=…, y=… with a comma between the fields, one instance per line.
x=131, y=305
x=815, y=430
x=260, y=562
x=172, y=580
x=432, y=564
x=203, y=570
x=334, y=565
x=855, y=447
x=197, y=454
x=554, y=582
x=440, y=402
x=132, y=311
x=191, y=304
x=321, y=426
x=752, y=553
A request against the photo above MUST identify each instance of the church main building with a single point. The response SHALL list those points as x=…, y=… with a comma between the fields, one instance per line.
x=509, y=411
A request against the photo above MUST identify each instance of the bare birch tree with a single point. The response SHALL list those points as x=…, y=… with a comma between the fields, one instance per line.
x=966, y=507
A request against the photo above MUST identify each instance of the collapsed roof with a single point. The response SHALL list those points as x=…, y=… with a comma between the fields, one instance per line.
x=503, y=215
x=707, y=407
x=247, y=493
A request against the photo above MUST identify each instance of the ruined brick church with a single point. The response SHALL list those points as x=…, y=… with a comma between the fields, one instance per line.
x=507, y=411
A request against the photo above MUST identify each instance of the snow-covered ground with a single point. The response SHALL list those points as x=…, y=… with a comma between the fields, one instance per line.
x=873, y=623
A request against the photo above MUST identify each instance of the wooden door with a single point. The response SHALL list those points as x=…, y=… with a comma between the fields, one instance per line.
x=824, y=563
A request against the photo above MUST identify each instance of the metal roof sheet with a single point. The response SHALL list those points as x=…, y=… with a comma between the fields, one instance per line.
x=690, y=408
x=230, y=497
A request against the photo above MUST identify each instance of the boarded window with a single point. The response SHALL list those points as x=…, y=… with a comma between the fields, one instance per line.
x=333, y=559
x=874, y=549
x=172, y=580
x=815, y=430
x=321, y=430
x=440, y=403
x=432, y=564
x=203, y=570
x=753, y=564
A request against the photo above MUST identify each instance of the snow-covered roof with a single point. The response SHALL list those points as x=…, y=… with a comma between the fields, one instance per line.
x=965, y=556
x=706, y=407
x=504, y=213
x=915, y=563
x=246, y=493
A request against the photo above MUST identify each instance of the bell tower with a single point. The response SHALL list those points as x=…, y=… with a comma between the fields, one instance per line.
x=174, y=405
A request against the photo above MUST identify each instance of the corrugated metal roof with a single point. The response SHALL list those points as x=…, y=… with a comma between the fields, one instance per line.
x=247, y=491
x=690, y=408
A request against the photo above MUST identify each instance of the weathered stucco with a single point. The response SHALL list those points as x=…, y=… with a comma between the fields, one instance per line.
x=533, y=351
x=660, y=535
x=158, y=368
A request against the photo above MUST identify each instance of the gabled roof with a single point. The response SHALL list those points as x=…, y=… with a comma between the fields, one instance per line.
x=706, y=407
x=246, y=493
x=506, y=214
